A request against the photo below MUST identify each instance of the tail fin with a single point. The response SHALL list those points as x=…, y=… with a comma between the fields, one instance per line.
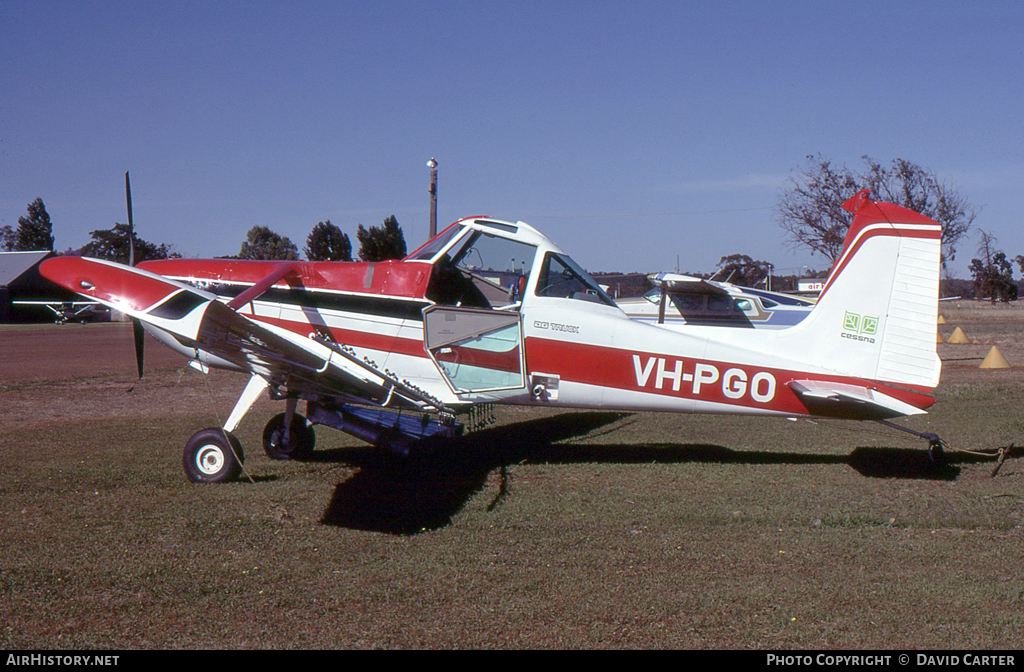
x=876, y=317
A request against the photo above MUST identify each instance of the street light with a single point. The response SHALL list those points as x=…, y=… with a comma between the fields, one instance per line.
x=432, y=164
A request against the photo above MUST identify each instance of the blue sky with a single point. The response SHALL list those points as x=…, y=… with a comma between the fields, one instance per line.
x=632, y=133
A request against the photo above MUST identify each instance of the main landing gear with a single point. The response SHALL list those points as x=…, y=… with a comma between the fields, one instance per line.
x=296, y=443
x=214, y=455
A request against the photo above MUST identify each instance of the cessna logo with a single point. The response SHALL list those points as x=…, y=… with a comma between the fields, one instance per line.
x=859, y=327
x=735, y=383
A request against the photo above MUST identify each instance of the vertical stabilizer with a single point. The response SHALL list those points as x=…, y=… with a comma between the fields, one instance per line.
x=876, y=317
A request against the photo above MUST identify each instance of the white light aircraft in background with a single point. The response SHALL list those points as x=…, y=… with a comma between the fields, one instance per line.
x=678, y=300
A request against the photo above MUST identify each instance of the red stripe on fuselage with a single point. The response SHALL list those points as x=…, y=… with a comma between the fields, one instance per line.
x=738, y=385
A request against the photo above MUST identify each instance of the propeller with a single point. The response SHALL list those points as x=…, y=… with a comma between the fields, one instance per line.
x=140, y=333
x=131, y=225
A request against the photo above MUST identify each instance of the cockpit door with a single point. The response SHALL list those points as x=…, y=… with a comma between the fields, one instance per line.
x=476, y=349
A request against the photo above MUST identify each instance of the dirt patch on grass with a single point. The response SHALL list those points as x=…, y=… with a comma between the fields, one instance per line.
x=85, y=373
x=60, y=352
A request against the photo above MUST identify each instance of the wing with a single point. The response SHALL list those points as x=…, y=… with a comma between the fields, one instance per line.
x=688, y=284
x=190, y=319
x=311, y=364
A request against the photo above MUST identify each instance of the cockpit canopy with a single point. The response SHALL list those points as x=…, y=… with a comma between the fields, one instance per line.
x=489, y=264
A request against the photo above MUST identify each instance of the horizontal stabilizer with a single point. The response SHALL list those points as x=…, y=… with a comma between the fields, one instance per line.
x=852, y=402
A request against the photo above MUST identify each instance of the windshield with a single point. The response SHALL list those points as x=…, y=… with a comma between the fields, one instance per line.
x=561, y=277
x=436, y=244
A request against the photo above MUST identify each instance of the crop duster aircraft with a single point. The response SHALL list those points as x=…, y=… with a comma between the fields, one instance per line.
x=494, y=312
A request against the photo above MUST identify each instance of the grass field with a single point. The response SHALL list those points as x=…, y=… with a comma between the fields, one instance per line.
x=545, y=530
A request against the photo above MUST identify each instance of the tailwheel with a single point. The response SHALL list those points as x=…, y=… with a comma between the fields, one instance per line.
x=213, y=456
x=936, y=452
x=301, y=439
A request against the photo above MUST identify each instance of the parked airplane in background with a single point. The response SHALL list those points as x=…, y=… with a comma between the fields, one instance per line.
x=393, y=351
x=678, y=300
x=71, y=311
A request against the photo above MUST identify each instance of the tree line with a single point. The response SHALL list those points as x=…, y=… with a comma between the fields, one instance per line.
x=326, y=242
x=809, y=211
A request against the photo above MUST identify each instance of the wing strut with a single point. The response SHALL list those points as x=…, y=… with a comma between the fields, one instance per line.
x=262, y=286
x=250, y=394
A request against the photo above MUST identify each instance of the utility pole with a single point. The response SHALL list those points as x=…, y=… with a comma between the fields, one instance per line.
x=432, y=164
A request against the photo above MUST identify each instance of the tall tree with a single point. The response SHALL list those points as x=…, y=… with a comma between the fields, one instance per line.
x=992, y=272
x=262, y=243
x=381, y=242
x=326, y=242
x=810, y=210
x=113, y=244
x=34, y=232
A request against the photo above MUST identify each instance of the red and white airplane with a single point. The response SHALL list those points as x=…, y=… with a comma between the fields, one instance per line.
x=494, y=312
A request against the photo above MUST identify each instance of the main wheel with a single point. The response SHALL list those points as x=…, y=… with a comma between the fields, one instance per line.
x=213, y=456
x=301, y=438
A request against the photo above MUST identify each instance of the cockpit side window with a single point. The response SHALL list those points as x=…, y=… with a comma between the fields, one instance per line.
x=720, y=303
x=497, y=258
x=561, y=277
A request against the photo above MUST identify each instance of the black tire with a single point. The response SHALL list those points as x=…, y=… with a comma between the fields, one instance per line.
x=213, y=456
x=302, y=438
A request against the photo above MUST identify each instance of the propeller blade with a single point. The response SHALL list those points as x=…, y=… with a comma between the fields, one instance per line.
x=131, y=226
x=140, y=340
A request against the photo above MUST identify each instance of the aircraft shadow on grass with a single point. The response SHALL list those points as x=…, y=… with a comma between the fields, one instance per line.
x=421, y=492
